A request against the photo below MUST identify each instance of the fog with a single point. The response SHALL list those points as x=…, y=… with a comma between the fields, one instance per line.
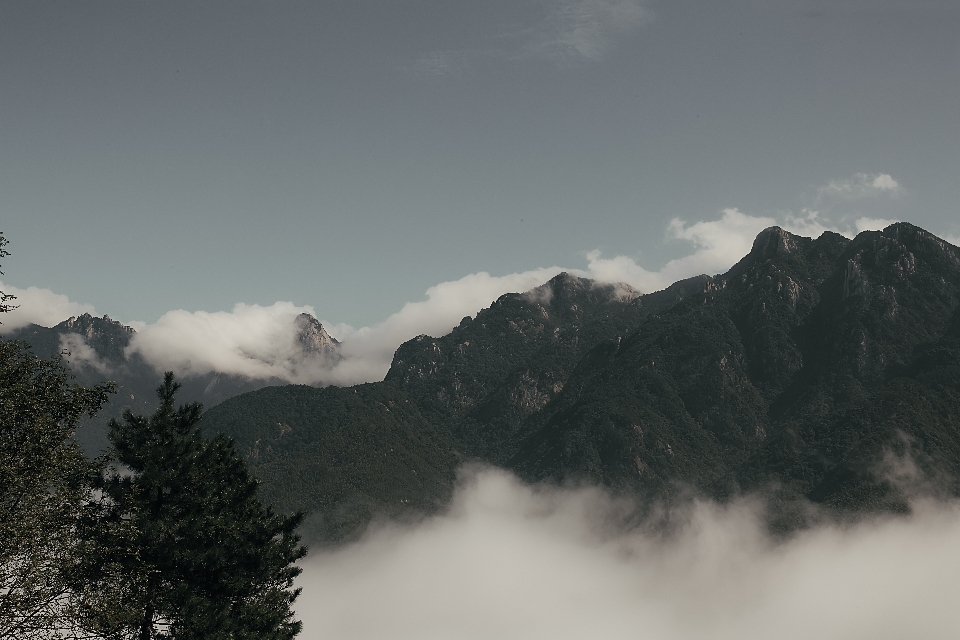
x=512, y=562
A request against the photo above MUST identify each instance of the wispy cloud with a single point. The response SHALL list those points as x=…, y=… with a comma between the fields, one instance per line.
x=585, y=29
x=562, y=31
x=860, y=186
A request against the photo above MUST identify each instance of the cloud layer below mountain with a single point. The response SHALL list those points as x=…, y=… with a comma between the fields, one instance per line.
x=260, y=341
x=509, y=561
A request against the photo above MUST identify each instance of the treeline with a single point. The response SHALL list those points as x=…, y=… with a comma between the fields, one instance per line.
x=164, y=536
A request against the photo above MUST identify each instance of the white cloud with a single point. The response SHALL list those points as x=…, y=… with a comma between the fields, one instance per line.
x=81, y=353
x=39, y=306
x=513, y=562
x=259, y=342
x=718, y=245
x=873, y=224
x=250, y=340
x=859, y=186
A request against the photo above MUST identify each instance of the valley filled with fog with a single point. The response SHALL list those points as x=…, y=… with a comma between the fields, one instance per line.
x=516, y=562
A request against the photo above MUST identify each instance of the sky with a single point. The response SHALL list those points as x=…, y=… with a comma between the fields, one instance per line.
x=200, y=160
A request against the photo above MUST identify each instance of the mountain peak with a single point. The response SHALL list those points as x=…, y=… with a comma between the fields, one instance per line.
x=90, y=326
x=773, y=242
x=313, y=338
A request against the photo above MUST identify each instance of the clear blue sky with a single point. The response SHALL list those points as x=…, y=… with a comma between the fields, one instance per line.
x=348, y=155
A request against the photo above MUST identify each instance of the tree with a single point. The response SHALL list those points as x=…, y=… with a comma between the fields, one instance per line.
x=180, y=546
x=5, y=297
x=42, y=490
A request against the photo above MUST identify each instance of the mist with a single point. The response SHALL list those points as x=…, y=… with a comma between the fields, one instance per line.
x=510, y=561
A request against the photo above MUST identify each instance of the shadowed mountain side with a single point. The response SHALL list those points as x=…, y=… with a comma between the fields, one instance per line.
x=819, y=370
x=491, y=373
x=343, y=455
x=779, y=373
x=521, y=349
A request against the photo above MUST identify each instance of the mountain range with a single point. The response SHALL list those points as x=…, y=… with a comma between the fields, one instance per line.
x=821, y=373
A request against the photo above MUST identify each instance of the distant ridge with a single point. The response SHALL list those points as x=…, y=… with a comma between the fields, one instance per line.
x=97, y=349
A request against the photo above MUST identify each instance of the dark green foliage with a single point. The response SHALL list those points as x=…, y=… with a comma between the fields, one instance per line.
x=345, y=455
x=180, y=546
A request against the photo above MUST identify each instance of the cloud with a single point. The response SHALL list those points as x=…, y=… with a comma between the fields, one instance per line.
x=565, y=31
x=585, y=29
x=860, y=186
x=717, y=244
x=510, y=561
x=872, y=224
x=259, y=342
x=251, y=340
x=81, y=353
x=39, y=306
x=368, y=351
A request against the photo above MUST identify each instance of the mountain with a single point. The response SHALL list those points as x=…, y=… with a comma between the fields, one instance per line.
x=98, y=349
x=823, y=372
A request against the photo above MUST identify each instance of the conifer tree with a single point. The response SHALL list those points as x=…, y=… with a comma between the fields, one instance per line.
x=180, y=546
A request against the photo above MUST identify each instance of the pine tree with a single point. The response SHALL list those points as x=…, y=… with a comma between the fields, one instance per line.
x=180, y=546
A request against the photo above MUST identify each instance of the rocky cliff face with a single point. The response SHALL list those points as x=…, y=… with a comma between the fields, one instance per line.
x=314, y=340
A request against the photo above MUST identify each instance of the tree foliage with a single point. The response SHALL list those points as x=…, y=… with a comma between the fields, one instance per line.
x=42, y=488
x=180, y=546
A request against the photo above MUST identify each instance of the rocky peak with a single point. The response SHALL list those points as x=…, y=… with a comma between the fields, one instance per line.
x=313, y=338
x=565, y=289
x=91, y=326
x=107, y=337
x=567, y=283
x=774, y=242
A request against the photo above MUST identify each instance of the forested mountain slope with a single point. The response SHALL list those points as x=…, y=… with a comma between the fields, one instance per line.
x=811, y=369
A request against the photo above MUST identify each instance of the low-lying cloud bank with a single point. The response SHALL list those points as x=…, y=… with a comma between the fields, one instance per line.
x=260, y=342
x=512, y=562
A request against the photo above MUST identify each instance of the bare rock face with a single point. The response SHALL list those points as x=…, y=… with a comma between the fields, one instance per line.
x=107, y=337
x=314, y=340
